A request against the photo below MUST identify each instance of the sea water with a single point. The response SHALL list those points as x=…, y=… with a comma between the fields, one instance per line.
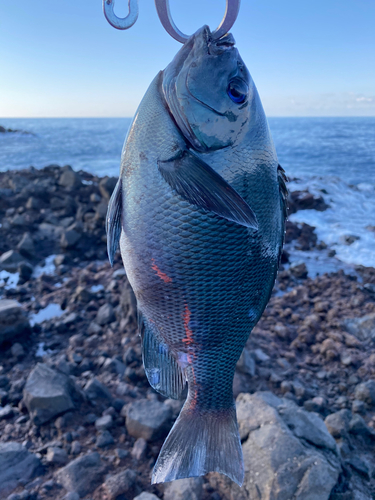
x=331, y=157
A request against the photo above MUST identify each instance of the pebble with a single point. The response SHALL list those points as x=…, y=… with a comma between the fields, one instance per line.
x=103, y=423
x=139, y=449
x=57, y=456
x=104, y=439
x=122, y=483
x=148, y=419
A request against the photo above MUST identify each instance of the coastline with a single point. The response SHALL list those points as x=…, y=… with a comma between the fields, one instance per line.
x=311, y=348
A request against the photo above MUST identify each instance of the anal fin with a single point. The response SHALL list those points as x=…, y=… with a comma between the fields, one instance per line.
x=113, y=221
x=163, y=372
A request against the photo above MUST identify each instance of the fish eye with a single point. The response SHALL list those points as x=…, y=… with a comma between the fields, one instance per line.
x=237, y=90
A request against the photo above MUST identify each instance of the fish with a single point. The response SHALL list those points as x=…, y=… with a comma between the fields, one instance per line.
x=199, y=214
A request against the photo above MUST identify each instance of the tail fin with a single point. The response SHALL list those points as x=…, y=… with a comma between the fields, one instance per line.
x=201, y=442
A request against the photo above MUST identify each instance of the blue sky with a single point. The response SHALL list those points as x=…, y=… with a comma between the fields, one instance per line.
x=62, y=58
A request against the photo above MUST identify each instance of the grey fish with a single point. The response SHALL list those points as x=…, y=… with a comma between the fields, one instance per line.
x=199, y=210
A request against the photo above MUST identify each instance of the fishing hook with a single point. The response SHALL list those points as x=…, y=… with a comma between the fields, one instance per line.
x=164, y=13
x=121, y=23
x=230, y=16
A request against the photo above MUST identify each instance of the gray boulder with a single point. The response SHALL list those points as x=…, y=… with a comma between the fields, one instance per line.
x=17, y=465
x=69, y=179
x=82, y=475
x=122, y=483
x=366, y=392
x=48, y=393
x=148, y=419
x=184, y=489
x=13, y=320
x=288, y=453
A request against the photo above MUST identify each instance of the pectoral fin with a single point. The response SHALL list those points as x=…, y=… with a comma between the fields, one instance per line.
x=113, y=221
x=200, y=185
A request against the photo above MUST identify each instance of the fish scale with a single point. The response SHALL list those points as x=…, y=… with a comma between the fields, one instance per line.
x=201, y=234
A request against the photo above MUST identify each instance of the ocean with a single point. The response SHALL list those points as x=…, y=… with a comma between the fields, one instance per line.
x=331, y=157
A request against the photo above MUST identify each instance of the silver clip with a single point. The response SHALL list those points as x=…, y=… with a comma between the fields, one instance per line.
x=120, y=23
x=230, y=16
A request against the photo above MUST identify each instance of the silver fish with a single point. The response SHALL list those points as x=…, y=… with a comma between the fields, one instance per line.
x=199, y=210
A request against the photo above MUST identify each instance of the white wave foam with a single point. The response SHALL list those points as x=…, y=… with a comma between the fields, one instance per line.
x=351, y=213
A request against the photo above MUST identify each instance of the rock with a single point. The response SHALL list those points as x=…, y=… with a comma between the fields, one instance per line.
x=366, y=392
x=148, y=419
x=299, y=270
x=303, y=200
x=106, y=186
x=6, y=412
x=17, y=350
x=338, y=423
x=75, y=448
x=246, y=363
x=94, y=329
x=358, y=406
x=139, y=449
x=10, y=261
x=48, y=393
x=56, y=456
x=278, y=465
x=123, y=483
x=146, y=496
x=363, y=328
x=260, y=355
x=82, y=475
x=17, y=465
x=13, y=320
x=184, y=489
x=105, y=315
x=69, y=179
x=26, y=245
x=103, y=423
x=104, y=439
x=95, y=390
x=71, y=496
x=25, y=271
x=306, y=425
x=69, y=238
x=358, y=426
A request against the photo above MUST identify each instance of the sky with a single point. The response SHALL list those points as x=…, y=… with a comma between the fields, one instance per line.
x=61, y=58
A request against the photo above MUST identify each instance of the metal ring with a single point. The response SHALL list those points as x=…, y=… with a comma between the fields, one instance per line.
x=230, y=16
x=121, y=23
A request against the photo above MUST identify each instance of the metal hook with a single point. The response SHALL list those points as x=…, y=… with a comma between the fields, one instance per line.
x=230, y=16
x=121, y=23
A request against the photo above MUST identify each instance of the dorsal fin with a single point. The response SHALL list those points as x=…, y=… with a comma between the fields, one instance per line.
x=113, y=221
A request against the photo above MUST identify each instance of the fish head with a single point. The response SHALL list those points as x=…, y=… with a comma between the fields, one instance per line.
x=209, y=91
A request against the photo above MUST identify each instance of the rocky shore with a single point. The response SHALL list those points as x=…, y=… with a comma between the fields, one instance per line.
x=78, y=418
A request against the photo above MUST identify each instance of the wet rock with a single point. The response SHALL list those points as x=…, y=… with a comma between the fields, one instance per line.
x=277, y=464
x=105, y=315
x=299, y=270
x=184, y=489
x=57, y=456
x=17, y=465
x=366, y=392
x=148, y=419
x=82, y=475
x=123, y=483
x=349, y=239
x=303, y=200
x=26, y=245
x=338, y=423
x=69, y=179
x=13, y=321
x=363, y=328
x=48, y=393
